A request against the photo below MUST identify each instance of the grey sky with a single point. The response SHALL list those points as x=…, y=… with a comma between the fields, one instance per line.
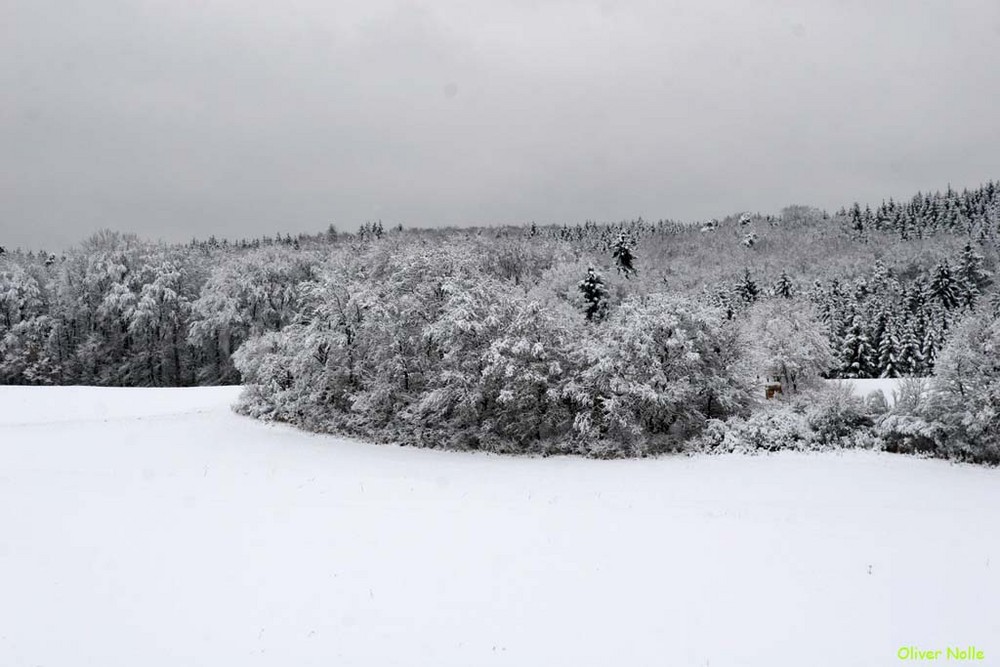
x=173, y=118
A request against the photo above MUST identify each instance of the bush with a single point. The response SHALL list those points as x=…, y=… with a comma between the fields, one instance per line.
x=818, y=419
x=769, y=429
x=427, y=350
x=837, y=415
x=907, y=434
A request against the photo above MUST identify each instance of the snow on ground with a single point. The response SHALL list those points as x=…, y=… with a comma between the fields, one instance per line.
x=155, y=527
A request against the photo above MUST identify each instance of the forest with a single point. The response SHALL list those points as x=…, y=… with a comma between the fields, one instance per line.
x=604, y=339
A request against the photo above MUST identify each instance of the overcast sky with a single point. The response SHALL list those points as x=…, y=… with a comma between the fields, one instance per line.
x=173, y=118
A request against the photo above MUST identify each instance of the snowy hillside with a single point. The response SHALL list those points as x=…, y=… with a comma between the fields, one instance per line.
x=154, y=527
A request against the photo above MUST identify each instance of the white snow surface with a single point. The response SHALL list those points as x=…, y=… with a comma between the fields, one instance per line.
x=155, y=527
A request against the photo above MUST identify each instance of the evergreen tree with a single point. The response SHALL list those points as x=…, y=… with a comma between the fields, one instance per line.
x=878, y=340
x=911, y=359
x=881, y=275
x=595, y=294
x=623, y=256
x=889, y=357
x=746, y=288
x=929, y=347
x=970, y=275
x=857, y=222
x=856, y=352
x=942, y=286
x=783, y=286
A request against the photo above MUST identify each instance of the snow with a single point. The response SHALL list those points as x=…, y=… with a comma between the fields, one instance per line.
x=155, y=527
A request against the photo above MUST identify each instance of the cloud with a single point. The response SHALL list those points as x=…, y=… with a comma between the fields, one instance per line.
x=174, y=119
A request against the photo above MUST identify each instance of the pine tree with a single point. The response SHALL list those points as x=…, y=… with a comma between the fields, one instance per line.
x=911, y=358
x=595, y=294
x=856, y=351
x=881, y=275
x=783, y=286
x=970, y=275
x=942, y=286
x=746, y=288
x=914, y=297
x=877, y=339
x=624, y=258
x=889, y=362
x=934, y=335
x=857, y=222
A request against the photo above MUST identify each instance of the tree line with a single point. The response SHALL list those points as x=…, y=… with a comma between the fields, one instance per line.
x=623, y=337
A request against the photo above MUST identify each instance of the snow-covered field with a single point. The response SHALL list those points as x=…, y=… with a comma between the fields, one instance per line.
x=155, y=527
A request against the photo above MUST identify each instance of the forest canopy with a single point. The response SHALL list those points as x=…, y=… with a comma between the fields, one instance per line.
x=606, y=339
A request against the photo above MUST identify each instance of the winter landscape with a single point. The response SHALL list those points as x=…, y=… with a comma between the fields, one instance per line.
x=158, y=526
x=521, y=332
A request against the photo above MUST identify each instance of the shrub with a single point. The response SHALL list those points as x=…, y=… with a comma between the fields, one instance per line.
x=768, y=429
x=836, y=415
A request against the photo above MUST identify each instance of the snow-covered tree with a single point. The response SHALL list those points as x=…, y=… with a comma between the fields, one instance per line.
x=29, y=352
x=856, y=351
x=888, y=351
x=746, y=289
x=972, y=278
x=786, y=340
x=595, y=294
x=624, y=257
x=655, y=371
x=783, y=286
x=942, y=286
x=966, y=390
x=20, y=297
x=252, y=294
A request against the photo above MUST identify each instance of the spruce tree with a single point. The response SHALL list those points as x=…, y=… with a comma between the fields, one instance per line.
x=595, y=294
x=623, y=256
x=970, y=275
x=878, y=340
x=934, y=334
x=856, y=351
x=889, y=357
x=943, y=287
x=911, y=359
x=746, y=288
x=783, y=287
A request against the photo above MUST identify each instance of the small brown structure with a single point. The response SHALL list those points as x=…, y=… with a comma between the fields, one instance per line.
x=771, y=389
